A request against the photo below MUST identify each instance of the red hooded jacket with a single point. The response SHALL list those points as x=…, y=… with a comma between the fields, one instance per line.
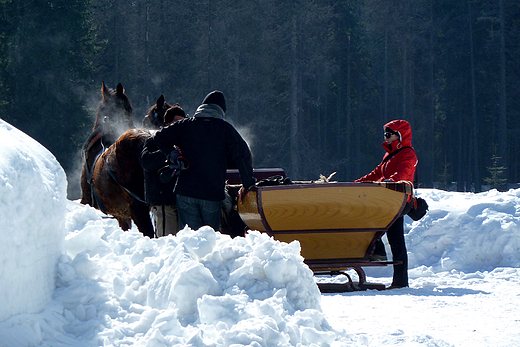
x=401, y=166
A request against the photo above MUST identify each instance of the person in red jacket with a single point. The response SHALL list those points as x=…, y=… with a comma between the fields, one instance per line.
x=398, y=164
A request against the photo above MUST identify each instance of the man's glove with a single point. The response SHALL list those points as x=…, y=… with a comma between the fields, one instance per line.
x=173, y=156
x=173, y=169
x=242, y=193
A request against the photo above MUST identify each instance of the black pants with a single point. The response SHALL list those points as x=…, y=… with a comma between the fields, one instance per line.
x=395, y=235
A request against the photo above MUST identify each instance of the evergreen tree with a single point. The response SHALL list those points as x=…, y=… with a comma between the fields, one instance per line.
x=47, y=71
x=496, y=180
x=311, y=81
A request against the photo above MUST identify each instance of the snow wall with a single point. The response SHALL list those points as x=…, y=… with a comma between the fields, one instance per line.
x=33, y=195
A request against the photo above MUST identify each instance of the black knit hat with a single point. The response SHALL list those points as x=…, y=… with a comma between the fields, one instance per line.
x=216, y=97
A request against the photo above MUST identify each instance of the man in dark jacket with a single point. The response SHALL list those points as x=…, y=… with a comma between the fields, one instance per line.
x=159, y=192
x=209, y=143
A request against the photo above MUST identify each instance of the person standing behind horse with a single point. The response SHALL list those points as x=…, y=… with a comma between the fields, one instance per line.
x=209, y=143
x=399, y=164
x=158, y=194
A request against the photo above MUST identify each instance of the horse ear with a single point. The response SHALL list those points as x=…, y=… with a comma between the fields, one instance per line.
x=104, y=91
x=160, y=101
x=119, y=89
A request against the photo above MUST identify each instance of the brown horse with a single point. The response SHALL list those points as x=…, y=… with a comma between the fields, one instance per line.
x=113, y=117
x=111, y=170
x=154, y=118
x=118, y=181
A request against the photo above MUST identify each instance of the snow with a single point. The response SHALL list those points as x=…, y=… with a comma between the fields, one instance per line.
x=71, y=277
x=32, y=228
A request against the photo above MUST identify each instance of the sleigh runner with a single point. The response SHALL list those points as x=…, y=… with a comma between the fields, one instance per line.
x=336, y=224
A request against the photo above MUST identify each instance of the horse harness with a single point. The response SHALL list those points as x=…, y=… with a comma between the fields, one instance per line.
x=90, y=173
x=111, y=173
x=90, y=169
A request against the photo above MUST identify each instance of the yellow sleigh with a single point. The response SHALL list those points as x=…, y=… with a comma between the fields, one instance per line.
x=336, y=224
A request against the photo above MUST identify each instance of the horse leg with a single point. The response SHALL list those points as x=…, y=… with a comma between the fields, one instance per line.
x=141, y=217
x=124, y=223
x=86, y=190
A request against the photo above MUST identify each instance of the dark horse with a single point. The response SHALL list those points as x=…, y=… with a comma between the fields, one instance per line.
x=112, y=179
x=154, y=118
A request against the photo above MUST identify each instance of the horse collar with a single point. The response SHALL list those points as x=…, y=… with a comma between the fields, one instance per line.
x=94, y=140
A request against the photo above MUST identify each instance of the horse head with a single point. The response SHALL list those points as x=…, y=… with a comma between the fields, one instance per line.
x=154, y=118
x=113, y=117
x=114, y=113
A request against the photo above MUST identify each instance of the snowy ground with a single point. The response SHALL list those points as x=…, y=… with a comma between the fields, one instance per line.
x=445, y=309
x=201, y=288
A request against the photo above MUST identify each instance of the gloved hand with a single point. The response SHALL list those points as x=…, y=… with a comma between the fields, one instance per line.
x=173, y=156
x=242, y=193
x=177, y=163
x=182, y=163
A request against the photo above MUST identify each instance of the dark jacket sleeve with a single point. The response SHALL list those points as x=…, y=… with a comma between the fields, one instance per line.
x=163, y=139
x=242, y=158
x=152, y=158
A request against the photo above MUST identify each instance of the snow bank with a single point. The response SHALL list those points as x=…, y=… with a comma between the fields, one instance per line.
x=109, y=287
x=32, y=222
x=466, y=231
x=198, y=288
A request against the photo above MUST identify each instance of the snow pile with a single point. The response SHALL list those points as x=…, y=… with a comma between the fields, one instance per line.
x=466, y=231
x=32, y=222
x=110, y=287
x=200, y=288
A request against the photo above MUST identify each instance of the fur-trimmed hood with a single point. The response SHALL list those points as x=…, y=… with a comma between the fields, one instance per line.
x=405, y=134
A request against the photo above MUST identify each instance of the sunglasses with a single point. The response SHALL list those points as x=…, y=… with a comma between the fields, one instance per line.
x=389, y=134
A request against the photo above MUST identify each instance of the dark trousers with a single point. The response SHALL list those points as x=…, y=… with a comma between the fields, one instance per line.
x=197, y=212
x=395, y=235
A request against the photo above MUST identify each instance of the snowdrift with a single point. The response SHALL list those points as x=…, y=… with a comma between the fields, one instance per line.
x=32, y=222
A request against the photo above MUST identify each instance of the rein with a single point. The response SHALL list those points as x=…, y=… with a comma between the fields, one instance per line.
x=90, y=170
x=111, y=173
